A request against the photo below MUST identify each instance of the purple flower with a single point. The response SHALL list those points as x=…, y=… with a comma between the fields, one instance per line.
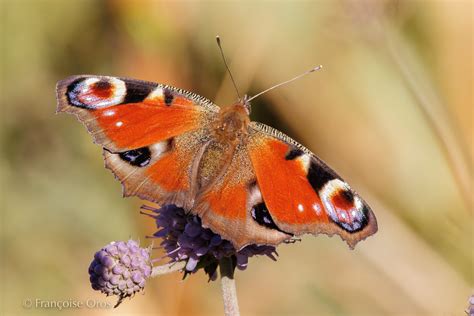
x=184, y=238
x=120, y=268
x=470, y=310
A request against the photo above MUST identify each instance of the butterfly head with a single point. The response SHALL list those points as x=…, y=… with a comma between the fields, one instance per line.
x=244, y=102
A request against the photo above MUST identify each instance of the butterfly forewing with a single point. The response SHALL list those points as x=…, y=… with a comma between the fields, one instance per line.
x=123, y=114
x=151, y=133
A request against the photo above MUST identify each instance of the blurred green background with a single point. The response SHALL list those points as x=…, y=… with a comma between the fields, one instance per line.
x=391, y=111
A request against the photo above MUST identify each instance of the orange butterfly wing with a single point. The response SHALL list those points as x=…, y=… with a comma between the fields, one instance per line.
x=302, y=194
x=152, y=134
x=125, y=113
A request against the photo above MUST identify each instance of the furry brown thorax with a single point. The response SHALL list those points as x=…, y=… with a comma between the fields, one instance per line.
x=232, y=123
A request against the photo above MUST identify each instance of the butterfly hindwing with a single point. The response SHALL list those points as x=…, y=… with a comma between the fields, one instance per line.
x=162, y=172
x=302, y=193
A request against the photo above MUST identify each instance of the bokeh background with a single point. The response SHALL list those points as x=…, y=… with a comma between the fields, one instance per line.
x=391, y=111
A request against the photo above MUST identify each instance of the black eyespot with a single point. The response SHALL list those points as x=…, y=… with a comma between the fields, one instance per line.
x=348, y=196
x=318, y=176
x=261, y=215
x=137, y=157
x=168, y=97
x=103, y=84
x=294, y=153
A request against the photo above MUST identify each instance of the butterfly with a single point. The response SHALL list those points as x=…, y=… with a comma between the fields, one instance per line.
x=247, y=181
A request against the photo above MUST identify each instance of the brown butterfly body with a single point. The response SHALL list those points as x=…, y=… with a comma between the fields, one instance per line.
x=247, y=181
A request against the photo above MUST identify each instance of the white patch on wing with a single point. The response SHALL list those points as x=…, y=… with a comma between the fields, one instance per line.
x=305, y=160
x=156, y=94
x=300, y=207
x=120, y=90
x=358, y=203
x=255, y=196
x=317, y=208
x=158, y=149
x=109, y=113
x=90, y=81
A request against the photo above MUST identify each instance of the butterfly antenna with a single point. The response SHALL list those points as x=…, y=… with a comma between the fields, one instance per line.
x=285, y=82
x=218, y=39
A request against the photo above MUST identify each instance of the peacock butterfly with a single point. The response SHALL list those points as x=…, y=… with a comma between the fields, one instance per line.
x=247, y=181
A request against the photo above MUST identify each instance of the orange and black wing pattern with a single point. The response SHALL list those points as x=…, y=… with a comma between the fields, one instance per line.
x=301, y=193
x=151, y=134
x=230, y=204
